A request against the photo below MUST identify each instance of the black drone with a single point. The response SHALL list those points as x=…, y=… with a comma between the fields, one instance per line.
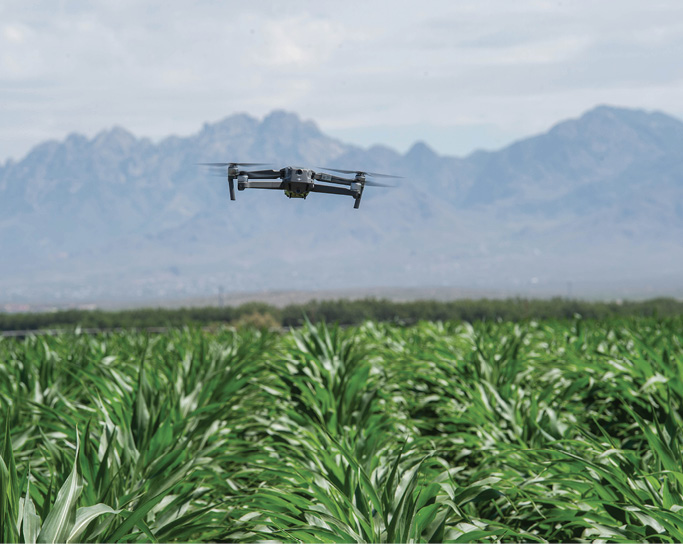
x=295, y=181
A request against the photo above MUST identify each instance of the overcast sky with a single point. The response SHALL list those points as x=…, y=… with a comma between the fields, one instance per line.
x=458, y=75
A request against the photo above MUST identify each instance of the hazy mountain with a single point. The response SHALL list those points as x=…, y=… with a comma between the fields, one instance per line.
x=596, y=202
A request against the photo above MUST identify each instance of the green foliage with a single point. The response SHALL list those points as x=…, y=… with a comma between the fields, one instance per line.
x=257, y=320
x=489, y=430
x=343, y=312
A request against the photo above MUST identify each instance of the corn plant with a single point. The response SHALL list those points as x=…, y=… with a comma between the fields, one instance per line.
x=491, y=431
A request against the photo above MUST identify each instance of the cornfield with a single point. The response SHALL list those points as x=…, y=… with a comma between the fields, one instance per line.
x=492, y=431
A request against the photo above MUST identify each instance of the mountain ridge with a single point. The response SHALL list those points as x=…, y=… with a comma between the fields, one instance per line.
x=113, y=211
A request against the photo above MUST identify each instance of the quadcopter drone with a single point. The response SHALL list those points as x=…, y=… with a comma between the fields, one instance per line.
x=295, y=181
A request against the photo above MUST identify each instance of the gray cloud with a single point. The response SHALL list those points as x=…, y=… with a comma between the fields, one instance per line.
x=494, y=68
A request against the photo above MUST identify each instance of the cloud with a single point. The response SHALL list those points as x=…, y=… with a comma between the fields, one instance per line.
x=167, y=67
x=300, y=42
x=14, y=34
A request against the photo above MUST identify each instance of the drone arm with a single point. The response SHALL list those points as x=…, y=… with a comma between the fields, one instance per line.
x=262, y=174
x=339, y=191
x=331, y=178
x=332, y=190
x=241, y=185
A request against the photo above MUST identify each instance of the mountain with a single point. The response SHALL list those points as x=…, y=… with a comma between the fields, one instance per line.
x=595, y=203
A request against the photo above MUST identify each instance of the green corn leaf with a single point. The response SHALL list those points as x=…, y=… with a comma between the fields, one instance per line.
x=9, y=490
x=182, y=527
x=85, y=463
x=7, y=524
x=479, y=535
x=84, y=516
x=24, y=482
x=62, y=516
x=147, y=502
x=45, y=508
x=30, y=525
x=314, y=534
x=423, y=518
x=103, y=476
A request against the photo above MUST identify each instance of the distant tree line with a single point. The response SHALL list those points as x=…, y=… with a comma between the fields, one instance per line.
x=348, y=312
x=344, y=312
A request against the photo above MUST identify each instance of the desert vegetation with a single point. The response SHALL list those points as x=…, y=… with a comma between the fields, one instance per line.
x=536, y=430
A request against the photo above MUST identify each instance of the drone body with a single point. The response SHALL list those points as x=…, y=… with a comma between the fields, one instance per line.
x=297, y=182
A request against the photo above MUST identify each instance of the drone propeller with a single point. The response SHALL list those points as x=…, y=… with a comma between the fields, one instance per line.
x=375, y=184
x=374, y=174
x=233, y=163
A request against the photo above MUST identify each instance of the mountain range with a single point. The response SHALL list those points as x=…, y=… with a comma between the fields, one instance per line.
x=592, y=207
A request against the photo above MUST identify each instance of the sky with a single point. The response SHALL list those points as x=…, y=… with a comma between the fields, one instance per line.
x=457, y=75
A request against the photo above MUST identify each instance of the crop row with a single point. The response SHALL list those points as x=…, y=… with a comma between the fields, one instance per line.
x=537, y=431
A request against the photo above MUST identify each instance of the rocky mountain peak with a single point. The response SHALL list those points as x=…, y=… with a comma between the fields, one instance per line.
x=240, y=123
x=115, y=137
x=421, y=151
x=627, y=130
x=288, y=124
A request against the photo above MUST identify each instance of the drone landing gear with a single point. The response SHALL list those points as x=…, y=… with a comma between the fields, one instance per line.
x=231, y=183
x=357, y=203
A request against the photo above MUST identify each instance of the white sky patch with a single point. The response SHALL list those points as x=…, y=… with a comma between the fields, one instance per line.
x=14, y=34
x=17, y=59
x=446, y=72
x=297, y=42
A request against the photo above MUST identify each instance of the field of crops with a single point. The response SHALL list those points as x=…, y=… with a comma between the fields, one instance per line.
x=541, y=431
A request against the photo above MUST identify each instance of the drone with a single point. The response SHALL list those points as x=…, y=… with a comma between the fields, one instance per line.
x=295, y=181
